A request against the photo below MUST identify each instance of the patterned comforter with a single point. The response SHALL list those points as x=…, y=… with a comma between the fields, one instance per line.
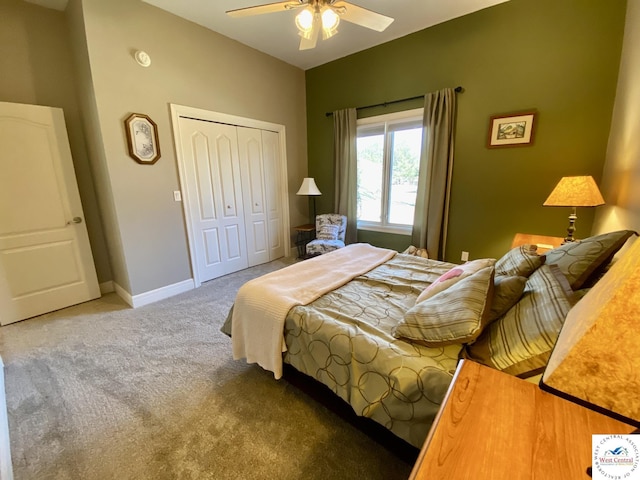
x=343, y=340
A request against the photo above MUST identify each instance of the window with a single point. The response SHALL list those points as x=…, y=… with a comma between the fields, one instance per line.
x=388, y=158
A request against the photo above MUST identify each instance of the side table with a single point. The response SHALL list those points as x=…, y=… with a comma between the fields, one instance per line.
x=544, y=242
x=493, y=426
x=305, y=233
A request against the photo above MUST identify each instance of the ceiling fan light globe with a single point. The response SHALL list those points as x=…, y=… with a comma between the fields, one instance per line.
x=330, y=19
x=304, y=22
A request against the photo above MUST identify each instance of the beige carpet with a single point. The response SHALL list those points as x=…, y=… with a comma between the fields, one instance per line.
x=103, y=391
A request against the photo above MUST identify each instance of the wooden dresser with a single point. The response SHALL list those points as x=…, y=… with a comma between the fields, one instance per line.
x=493, y=426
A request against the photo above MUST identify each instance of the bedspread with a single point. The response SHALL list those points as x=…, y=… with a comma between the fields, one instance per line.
x=343, y=339
x=262, y=304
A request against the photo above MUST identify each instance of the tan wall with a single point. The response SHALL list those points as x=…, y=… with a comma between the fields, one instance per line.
x=36, y=67
x=190, y=66
x=621, y=174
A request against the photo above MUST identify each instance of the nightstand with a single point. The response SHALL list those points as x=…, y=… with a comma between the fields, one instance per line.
x=544, y=242
x=494, y=426
x=305, y=233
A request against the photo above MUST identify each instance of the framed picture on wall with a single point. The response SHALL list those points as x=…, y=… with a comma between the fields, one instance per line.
x=142, y=138
x=511, y=130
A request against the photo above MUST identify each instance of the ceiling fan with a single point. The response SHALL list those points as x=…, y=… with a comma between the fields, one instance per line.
x=320, y=15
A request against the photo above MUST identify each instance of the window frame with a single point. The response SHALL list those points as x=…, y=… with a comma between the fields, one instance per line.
x=383, y=122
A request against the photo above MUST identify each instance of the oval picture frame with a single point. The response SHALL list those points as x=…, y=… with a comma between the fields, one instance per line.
x=142, y=138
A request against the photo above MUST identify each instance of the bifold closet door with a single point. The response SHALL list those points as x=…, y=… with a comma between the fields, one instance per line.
x=214, y=192
x=259, y=167
x=253, y=194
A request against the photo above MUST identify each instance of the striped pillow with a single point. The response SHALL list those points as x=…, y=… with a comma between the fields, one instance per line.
x=507, y=290
x=453, y=276
x=522, y=261
x=579, y=259
x=520, y=342
x=455, y=315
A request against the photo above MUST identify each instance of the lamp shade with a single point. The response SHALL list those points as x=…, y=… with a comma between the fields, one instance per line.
x=308, y=187
x=596, y=359
x=575, y=192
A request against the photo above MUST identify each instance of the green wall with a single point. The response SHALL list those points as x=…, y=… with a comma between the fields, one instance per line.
x=559, y=57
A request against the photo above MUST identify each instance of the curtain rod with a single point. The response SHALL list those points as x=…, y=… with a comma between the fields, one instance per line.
x=457, y=90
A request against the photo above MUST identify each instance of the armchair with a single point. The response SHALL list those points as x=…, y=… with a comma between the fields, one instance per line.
x=330, y=233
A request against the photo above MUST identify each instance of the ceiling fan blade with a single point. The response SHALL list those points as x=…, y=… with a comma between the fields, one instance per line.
x=363, y=17
x=266, y=8
x=309, y=43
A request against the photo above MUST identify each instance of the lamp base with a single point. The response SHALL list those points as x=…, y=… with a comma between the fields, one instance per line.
x=571, y=228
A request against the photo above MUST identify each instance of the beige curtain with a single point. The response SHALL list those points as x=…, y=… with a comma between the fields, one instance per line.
x=436, y=166
x=344, y=154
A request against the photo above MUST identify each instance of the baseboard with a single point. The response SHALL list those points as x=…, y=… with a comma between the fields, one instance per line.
x=6, y=468
x=106, y=287
x=123, y=294
x=154, y=295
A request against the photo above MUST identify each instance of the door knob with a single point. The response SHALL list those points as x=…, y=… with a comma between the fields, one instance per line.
x=75, y=220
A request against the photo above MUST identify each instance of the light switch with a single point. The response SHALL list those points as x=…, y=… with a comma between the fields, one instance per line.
x=177, y=196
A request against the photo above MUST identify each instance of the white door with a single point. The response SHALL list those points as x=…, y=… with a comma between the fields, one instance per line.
x=253, y=193
x=273, y=180
x=45, y=256
x=214, y=197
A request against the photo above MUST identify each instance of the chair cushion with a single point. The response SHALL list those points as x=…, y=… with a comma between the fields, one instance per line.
x=318, y=247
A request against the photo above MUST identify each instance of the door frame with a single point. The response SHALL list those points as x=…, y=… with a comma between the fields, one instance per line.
x=178, y=111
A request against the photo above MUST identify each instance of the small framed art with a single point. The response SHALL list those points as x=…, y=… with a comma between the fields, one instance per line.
x=142, y=138
x=511, y=130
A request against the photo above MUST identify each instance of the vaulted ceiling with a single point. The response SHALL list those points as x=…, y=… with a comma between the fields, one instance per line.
x=277, y=35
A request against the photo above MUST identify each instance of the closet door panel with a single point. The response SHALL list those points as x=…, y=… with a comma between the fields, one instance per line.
x=197, y=146
x=234, y=242
x=273, y=193
x=211, y=241
x=226, y=150
x=212, y=178
x=229, y=185
x=203, y=185
x=252, y=169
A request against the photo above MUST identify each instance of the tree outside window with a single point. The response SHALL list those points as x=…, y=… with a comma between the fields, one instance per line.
x=388, y=159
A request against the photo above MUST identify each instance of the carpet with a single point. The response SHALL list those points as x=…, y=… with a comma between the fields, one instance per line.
x=103, y=391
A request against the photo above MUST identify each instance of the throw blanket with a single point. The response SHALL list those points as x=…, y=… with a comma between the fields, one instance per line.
x=260, y=308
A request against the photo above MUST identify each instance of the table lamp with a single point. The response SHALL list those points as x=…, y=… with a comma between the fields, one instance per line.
x=310, y=188
x=574, y=192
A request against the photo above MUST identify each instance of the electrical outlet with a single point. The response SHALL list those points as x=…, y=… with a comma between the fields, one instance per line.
x=465, y=256
x=177, y=196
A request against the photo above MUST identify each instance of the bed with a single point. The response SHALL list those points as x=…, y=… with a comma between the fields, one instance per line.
x=387, y=338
